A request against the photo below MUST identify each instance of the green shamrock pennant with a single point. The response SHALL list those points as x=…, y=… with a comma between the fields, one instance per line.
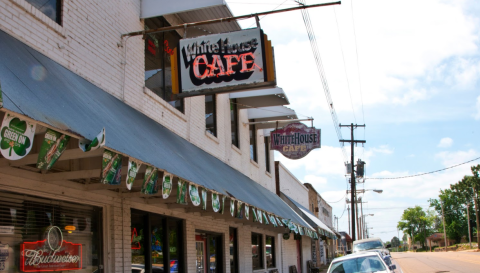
x=17, y=137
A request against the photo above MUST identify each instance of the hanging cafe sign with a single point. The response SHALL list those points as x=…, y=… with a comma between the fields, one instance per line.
x=225, y=62
x=295, y=140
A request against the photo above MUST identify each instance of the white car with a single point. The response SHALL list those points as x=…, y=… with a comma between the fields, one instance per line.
x=370, y=244
x=363, y=262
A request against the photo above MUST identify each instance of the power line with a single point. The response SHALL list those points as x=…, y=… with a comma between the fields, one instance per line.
x=420, y=174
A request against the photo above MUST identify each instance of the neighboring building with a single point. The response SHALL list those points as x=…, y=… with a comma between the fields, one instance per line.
x=344, y=244
x=66, y=72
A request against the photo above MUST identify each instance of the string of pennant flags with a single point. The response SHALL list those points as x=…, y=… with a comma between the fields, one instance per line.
x=17, y=140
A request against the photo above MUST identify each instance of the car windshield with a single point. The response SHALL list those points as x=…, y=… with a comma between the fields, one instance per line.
x=367, y=246
x=358, y=265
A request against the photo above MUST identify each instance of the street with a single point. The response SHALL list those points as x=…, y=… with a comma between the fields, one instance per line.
x=436, y=262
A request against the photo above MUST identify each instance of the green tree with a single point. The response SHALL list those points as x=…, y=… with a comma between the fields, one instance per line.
x=395, y=241
x=417, y=224
x=475, y=184
x=454, y=213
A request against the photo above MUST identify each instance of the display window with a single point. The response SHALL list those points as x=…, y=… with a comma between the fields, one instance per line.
x=156, y=243
x=46, y=235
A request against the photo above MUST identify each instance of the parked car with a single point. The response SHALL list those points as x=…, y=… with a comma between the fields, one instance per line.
x=363, y=262
x=371, y=244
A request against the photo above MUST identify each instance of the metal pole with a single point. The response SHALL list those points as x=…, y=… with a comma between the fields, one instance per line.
x=468, y=219
x=352, y=188
x=226, y=19
x=443, y=219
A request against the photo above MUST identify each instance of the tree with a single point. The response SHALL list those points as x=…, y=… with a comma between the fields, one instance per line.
x=395, y=241
x=416, y=223
x=475, y=183
x=453, y=213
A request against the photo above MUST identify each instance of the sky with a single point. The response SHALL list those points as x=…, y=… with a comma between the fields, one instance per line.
x=408, y=70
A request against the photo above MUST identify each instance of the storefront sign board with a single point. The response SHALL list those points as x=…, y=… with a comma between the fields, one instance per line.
x=295, y=140
x=38, y=256
x=225, y=62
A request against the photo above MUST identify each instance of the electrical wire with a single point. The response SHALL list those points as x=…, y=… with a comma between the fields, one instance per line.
x=336, y=201
x=420, y=174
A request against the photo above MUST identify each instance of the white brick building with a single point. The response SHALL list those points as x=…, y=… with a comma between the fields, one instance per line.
x=78, y=46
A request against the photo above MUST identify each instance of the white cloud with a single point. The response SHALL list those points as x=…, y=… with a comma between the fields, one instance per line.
x=445, y=142
x=315, y=180
x=477, y=115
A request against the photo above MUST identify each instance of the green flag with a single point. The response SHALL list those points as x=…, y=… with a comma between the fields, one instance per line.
x=265, y=218
x=215, y=202
x=167, y=185
x=17, y=137
x=133, y=167
x=204, y=199
x=223, y=204
x=279, y=222
x=255, y=216
x=54, y=144
x=239, y=209
x=182, y=192
x=260, y=216
x=232, y=207
x=111, y=168
x=273, y=221
x=247, y=212
x=150, y=181
x=194, y=195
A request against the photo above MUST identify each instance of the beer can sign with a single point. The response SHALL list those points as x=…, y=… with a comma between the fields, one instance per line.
x=182, y=192
x=167, y=185
x=54, y=144
x=150, y=180
x=295, y=140
x=204, y=199
x=133, y=167
x=232, y=207
x=265, y=218
x=272, y=220
x=255, y=216
x=215, y=202
x=223, y=204
x=98, y=142
x=111, y=168
x=17, y=137
x=194, y=195
x=247, y=212
x=239, y=209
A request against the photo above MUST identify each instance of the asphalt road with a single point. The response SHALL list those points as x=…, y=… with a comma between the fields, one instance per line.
x=438, y=262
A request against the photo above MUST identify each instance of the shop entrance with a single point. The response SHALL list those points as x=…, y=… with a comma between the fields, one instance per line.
x=209, y=252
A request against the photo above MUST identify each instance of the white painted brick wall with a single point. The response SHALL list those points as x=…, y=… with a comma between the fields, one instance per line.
x=292, y=187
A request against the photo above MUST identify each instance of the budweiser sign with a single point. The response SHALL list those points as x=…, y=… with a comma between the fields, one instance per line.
x=295, y=140
x=50, y=254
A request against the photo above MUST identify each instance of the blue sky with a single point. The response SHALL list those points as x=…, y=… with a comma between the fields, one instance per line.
x=415, y=86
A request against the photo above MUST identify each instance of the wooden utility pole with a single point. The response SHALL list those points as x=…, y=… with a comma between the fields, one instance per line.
x=348, y=209
x=468, y=220
x=443, y=219
x=352, y=177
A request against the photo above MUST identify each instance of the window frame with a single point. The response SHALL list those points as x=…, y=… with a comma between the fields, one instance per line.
x=58, y=11
x=272, y=251
x=260, y=251
x=267, y=154
x=252, y=131
x=235, y=249
x=234, y=122
x=214, y=114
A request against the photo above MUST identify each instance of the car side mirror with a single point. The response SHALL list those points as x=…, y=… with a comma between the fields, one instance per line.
x=389, y=246
x=393, y=267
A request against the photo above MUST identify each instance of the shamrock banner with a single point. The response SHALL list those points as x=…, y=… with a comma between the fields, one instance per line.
x=232, y=207
x=239, y=209
x=182, y=192
x=98, y=142
x=285, y=223
x=54, y=144
x=295, y=228
x=167, y=185
x=111, y=168
x=273, y=221
x=17, y=137
x=255, y=217
x=194, y=195
x=215, y=202
x=265, y=218
x=247, y=212
x=300, y=230
x=260, y=216
x=133, y=167
x=223, y=204
x=204, y=199
x=150, y=181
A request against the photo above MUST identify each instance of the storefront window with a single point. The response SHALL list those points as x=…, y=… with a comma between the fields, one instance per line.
x=35, y=233
x=257, y=251
x=51, y=8
x=253, y=140
x=158, y=61
x=211, y=114
x=209, y=252
x=270, y=251
x=234, y=122
x=156, y=243
x=233, y=250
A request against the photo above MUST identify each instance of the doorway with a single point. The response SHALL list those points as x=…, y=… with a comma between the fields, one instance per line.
x=209, y=247
x=299, y=255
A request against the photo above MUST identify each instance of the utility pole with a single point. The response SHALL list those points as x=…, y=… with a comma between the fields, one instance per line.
x=352, y=177
x=468, y=220
x=443, y=219
x=363, y=219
